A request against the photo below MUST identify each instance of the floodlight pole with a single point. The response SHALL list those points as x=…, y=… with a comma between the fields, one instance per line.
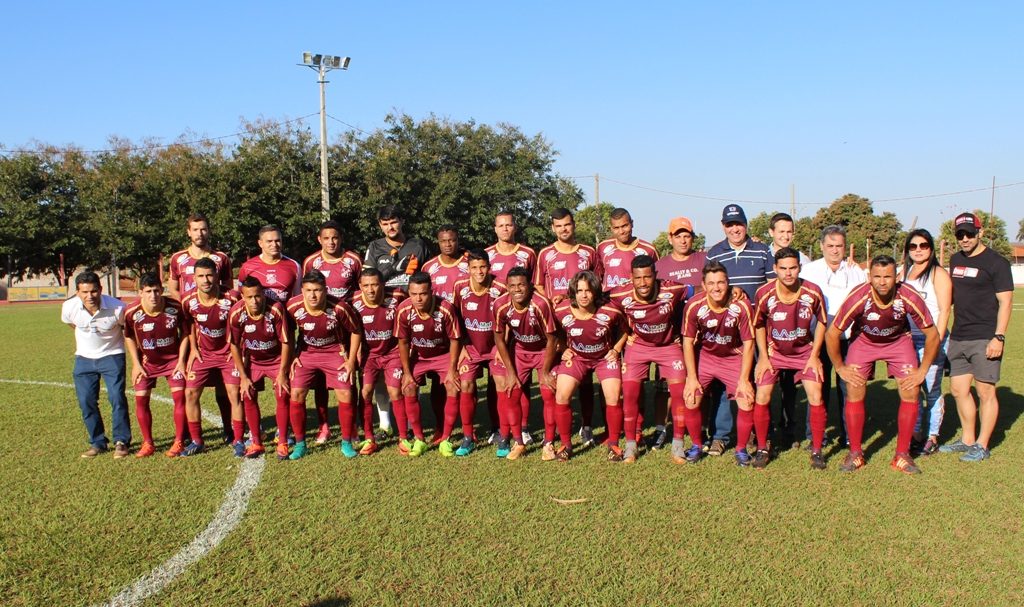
x=325, y=192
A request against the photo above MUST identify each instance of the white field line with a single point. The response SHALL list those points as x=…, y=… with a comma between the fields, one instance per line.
x=230, y=513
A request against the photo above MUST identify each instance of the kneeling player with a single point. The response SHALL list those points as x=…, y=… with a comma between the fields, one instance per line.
x=722, y=325
x=156, y=341
x=878, y=313
x=328, y=343
x=789, y=317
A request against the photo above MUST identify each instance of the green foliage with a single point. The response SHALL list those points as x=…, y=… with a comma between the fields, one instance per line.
x=994, y=235
x=1020, y=230
x=885, y=232
x=593, y=223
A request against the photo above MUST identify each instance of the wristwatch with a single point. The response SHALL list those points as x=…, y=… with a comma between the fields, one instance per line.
x=1000, y=337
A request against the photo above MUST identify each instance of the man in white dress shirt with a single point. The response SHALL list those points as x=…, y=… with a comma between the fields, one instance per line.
x=98, y=322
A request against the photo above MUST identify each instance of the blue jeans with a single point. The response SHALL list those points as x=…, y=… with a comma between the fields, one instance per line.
x=723, y=419
x=87, y=375
x=932, y=403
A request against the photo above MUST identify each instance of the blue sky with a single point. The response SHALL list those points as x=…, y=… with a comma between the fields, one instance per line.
x=734, y=100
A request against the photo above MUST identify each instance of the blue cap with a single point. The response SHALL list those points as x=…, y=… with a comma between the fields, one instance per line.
x=733, y=213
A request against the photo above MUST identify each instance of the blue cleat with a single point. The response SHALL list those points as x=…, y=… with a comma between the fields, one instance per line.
x=193, y=448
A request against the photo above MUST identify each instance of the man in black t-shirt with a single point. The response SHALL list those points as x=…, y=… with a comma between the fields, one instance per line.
x=982, y=300
x=396, y=256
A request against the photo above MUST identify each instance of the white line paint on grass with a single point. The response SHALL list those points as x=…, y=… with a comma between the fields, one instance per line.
x=230, y=513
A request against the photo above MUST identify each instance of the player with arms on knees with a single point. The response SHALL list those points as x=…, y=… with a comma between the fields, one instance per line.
x=261, y=346
x=157, y=344
x=790, y=322
x=878, y=314
x=720, y=325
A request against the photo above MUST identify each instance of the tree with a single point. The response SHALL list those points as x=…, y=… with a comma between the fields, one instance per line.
x=994, y=236
x=856, y=214
x=664, y=247
x=593, y=223
x=1020, y=230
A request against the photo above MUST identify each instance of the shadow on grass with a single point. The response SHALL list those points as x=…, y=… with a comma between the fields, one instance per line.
x=339, y=601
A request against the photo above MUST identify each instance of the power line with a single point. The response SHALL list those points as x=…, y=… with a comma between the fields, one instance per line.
x=351, y=126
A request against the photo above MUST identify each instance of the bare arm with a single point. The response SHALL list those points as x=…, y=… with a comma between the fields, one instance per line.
x=944, y=295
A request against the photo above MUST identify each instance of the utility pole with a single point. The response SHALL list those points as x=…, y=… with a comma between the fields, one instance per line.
x=792, y=202
x=991, y=214
x=323, y=64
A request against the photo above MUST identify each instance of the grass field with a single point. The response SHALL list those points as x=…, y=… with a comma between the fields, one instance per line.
x=388, y=530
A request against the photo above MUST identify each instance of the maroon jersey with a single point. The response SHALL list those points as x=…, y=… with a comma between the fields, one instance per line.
x=210, y=322
x=428, y=335
x=342, y=274
x=615, y=259
x=655, y=323
x=530, y=326
x=157, y=335
x=687, y=272
x=521, y=256
x=443, y=277
x=183, y=269
x=789, y=327
x=280, y=279
x=378, y=323
x=593, y=337
x=718, y=333
x=555, y=269
x=882, y=324
x=259, y=336
x=324, y=331
x=477, y=312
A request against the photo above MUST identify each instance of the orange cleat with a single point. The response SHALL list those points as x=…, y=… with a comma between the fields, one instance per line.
x=145, y=450
x=175, y=449
x=254, y=451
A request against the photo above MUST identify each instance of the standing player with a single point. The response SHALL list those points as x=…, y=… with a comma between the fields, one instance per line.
x=722, y=323
x=789, y=316
x=524, y=320
x=449, y=266
x=378, y=357
x=261, y=346
x=206, y=311
x=878, y=314
x=654, y=311
x=428, y=341
x=595, y=334
x=327, y=346
x=278, y=274
x=615, y=254
x=506, y=253
x=156, y=341
x=474, y=301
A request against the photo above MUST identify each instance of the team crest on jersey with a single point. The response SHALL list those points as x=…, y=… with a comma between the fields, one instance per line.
x=805, y=312
x=600, y=332
x=677, y=365
x=664, y=308
x=389, y=315
x=730, y=321
x=170, y=322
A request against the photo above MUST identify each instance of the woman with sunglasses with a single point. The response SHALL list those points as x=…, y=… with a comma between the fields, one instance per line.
x=922, y=270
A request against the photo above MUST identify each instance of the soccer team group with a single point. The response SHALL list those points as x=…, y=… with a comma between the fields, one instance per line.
x=715, y=327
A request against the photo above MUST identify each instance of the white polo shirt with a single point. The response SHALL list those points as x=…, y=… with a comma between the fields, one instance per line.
x=834, y=285
x=96, y=335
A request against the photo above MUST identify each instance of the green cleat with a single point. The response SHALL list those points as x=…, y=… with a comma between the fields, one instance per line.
x=445, y=448
x=465, y=448
x=404, y=446
x=298, y=451
x=419, y=448
x=503, y=448
x=347, y=450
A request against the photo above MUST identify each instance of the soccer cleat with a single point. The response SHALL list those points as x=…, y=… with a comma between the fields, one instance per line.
x=175, y=449
x=905, y=464
x=193, y=448
x=614, y=453
x=977, y=453
x=419, y=448
x=694, y=454
x=290, y=442
x=465, y=447
x=742, y=458
x=547, y=453
x=817, y=461
x=853, y=462
x=957, y=446
x=299, y=451
x=658, y=439
x=717, y=448
x=383, y=434
x=527, y=438
x=347, y=450
x=516, y=452
x=930, y=446
x=239, y=448
x=446, y=448
x=282, y=452
x=563, y=454
x=494, y=438
x=629, y=455
x=254, y=451
x=145, y=450
x=761, y=458
x=404, y=447
x=503, y=449
x=587, y=436
x=323, y=435
x=368, y=447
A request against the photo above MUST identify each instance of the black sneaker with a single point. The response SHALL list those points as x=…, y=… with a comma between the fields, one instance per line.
x=817, y=461
x=658, y=439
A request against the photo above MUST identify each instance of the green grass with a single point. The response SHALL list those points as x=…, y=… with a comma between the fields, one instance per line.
x=387, y=530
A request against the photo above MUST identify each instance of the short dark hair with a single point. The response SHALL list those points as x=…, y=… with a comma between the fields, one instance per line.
x=330, y=224
x=389, y=211
x=447, y=228
x=833, y=230
x=372, y=272
x=776, y=218
x=207, y=264
x=251, y=281
x=561, y=213
x=519, y=271
x=314, y=277
x=619, y=213
x=713, y=266
x=269, y=228
x=196, y=218
x=87, y=278
x=149, y=280
x=641, y=261
x=478, y=255
x=786, y=253
x=883, y=261
x=419, y=278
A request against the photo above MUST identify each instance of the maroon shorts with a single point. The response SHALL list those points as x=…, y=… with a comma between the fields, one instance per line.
x=578, y=368
x=263, y=369
x=781, y=362
x=640, y=356
x=436, y=364
x=387, y=365
x=900, y=356
x=175, y=381
x=526, y=362
x=726, y=370
x=321, y=364
x=470, y=367
x=210, y=370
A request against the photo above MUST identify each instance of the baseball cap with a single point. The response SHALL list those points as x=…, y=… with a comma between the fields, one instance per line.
x=967, y=222
x=734, y=213
x=680, y=223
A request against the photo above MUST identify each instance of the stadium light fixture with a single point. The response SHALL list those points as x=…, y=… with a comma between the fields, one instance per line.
x=323, y=64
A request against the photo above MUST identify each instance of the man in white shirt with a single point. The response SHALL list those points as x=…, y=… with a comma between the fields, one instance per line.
x=98, y=322
x=836, y=276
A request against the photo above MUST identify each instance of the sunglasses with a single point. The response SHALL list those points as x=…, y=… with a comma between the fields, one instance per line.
x=961, y=234
x=924, y=246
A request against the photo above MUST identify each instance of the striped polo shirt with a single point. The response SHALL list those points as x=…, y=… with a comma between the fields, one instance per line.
x=748, y=268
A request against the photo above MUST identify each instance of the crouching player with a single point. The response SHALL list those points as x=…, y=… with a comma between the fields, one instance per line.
x=790, y=321
x=261, y=346
x=428, y=340
x=878, y=313
x=654, y=311
x=379, y=353
x=207, y=310
x=722, y=324
x=595, y=333
x=327, y=345
x=525, y=327
x=157, y=345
